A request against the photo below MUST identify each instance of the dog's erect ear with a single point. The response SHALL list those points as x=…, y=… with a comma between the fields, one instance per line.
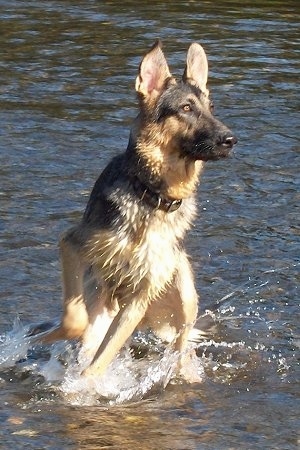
x=153, y=73
x=196, y=69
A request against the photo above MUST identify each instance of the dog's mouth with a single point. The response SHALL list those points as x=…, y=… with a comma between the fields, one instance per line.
x=215, y=153
x=206, y=150
x=210, y=153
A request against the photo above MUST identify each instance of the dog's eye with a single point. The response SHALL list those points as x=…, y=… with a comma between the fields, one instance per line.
x=186, y=108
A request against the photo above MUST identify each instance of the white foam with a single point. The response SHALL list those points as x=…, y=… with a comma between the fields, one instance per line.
x=126, y=379
x=13, y=346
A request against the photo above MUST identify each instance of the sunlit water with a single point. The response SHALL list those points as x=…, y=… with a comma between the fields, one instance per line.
x=129, y=378
x=67, y=100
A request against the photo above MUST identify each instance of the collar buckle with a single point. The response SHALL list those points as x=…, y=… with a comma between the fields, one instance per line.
x=173, y=205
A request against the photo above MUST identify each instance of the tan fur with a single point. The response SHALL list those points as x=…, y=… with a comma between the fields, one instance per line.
x=157, y=146
x=128, y=271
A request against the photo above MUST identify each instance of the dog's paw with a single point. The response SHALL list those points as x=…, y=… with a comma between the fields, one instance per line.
x=189, y=368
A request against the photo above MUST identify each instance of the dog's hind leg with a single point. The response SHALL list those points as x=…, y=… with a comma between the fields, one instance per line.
x=75, y=317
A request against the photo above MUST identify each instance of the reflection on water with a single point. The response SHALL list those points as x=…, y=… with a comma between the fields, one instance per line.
x=67, y=100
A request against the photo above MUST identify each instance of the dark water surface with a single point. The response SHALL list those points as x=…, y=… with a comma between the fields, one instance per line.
x=67, y=73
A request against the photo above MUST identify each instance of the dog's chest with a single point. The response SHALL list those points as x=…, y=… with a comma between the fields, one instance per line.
x=141, y=246
x=156, y=252
x=153, y=240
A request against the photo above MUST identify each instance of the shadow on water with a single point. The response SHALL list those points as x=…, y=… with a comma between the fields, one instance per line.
x=67, y=100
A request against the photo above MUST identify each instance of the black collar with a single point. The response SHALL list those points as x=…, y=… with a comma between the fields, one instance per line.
x=154, y=199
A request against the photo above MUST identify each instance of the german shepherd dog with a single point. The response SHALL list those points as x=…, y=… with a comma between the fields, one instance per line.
x=123, y=266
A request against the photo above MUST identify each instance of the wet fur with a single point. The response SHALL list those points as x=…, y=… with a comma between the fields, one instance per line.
x=124, y=266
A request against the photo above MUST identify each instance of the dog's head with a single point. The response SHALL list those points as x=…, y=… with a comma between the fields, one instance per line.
x=177, y=116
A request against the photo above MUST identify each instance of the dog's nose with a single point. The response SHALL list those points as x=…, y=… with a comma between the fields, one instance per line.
x=229, y=140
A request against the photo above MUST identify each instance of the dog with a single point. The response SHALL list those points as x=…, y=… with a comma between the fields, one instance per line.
x=124, y=267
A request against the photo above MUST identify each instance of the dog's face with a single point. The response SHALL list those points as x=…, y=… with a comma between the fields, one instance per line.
x=181, y=113
x=187, y=112
x=175, y=132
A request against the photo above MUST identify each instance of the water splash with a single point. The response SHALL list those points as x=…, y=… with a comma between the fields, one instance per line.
x=125, y=380
x=58, y=368
x=13, y=345
x=237, y=341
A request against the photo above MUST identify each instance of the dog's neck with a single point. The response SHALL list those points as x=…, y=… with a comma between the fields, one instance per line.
x=164, y=170
x=154, y=199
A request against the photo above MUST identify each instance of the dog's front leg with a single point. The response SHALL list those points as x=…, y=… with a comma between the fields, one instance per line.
x=75, y=318
x=186, y=314
x=121, y=328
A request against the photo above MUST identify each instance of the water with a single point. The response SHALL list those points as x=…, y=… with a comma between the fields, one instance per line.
x=67, y=100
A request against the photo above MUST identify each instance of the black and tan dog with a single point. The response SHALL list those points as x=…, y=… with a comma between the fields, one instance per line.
x=124, y=267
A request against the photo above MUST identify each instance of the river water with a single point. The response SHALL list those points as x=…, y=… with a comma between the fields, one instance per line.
x=67, y=101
